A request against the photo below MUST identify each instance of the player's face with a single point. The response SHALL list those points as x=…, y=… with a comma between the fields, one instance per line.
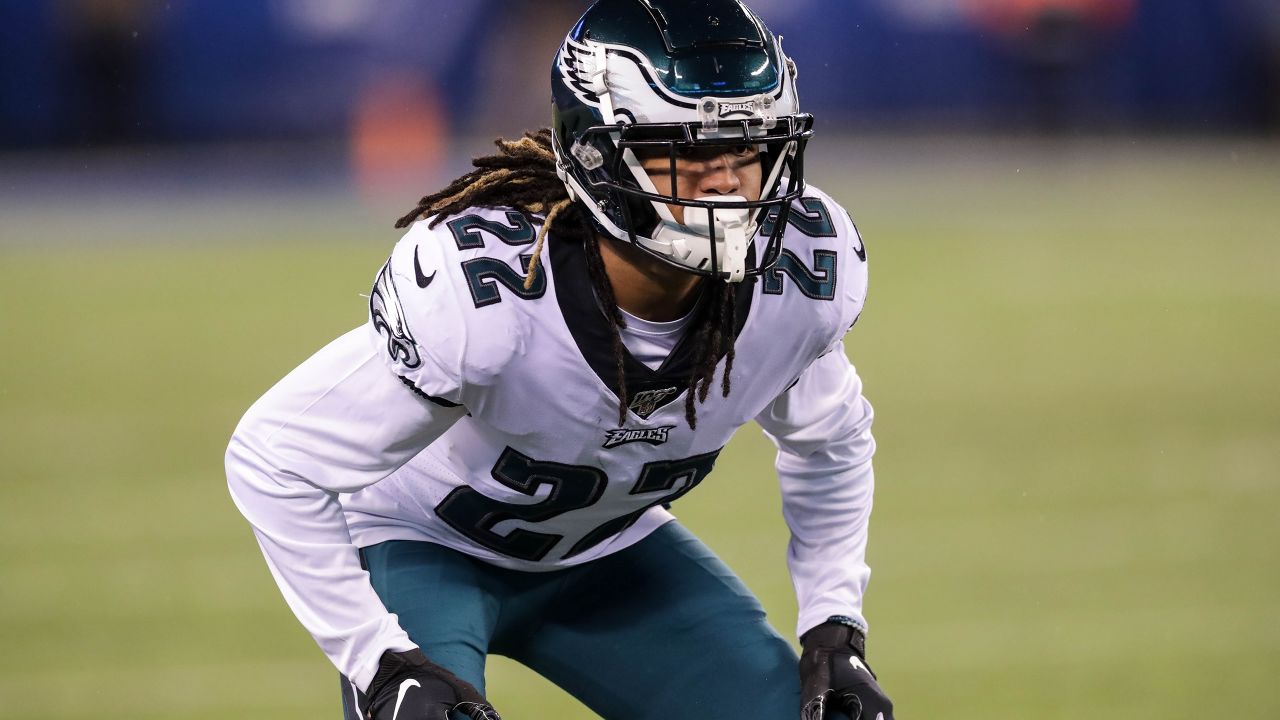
x=706, y=172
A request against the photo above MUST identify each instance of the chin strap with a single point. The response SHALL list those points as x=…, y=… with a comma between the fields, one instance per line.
x=735, y=245
x=690, y=244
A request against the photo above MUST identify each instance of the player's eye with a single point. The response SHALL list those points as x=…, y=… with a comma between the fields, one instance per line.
x=744, y=150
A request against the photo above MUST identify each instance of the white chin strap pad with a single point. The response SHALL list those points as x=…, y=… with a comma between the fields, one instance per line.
x=690, y=244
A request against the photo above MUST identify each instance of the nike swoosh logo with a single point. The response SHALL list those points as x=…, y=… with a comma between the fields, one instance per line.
x=404, y=688
x=857, y=664
x=423, y=279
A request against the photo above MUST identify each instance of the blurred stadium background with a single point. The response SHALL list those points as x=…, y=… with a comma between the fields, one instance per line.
x=1071, y=208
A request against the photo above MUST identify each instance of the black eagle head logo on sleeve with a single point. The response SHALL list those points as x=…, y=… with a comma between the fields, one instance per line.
x=388, y=319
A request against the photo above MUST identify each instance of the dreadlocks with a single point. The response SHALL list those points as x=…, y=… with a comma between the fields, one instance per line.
x=522, y=176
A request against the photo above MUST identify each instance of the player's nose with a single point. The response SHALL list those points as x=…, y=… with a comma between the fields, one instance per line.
x=720, y=176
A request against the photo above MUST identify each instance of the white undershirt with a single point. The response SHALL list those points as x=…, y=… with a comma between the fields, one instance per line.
x=651, y=342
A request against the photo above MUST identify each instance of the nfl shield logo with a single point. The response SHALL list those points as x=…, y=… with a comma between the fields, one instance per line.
x=645, y=403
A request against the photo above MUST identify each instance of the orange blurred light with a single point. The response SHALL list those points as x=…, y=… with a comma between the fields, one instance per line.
x=397, y=136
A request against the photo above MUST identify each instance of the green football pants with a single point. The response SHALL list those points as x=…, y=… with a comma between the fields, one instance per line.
x=661, y=630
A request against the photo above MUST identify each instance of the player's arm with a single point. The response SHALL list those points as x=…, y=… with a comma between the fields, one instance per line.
x=339, y=422
x=822, y=428
x=345, y=419
x=821, y=425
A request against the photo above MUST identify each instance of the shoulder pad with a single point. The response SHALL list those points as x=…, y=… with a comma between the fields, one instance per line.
x=824, y=255
x=438, y=303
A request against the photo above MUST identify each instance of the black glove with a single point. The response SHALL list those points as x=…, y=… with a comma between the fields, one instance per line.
x=835, y=677
x=408, y=686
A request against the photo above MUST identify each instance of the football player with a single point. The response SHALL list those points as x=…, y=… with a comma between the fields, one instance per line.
x=558, y=348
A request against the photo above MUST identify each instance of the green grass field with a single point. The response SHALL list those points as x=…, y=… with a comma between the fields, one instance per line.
x=1072, y=349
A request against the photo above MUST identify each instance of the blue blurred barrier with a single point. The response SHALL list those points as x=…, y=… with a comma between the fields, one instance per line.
x=103, y=71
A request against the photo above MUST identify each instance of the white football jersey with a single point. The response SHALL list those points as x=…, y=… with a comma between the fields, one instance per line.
x=514, y=453
x=540, y=474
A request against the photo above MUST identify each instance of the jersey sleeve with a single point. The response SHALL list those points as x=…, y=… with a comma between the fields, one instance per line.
x=435, y=335
x=414, y=308
x=851, y=293
x=345, y=419
x=821, y=426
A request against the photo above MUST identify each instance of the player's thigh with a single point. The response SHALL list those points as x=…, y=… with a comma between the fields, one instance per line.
x=446, y=602
x=665, y=630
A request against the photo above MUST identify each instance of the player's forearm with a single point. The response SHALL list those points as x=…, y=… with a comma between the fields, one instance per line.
x=827, y=512
x=822, y=428
x=304, y=538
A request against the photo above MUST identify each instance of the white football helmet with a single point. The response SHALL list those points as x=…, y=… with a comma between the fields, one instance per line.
x=668, y=77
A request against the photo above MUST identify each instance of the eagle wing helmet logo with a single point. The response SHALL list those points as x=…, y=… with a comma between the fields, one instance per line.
x=582, y=68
